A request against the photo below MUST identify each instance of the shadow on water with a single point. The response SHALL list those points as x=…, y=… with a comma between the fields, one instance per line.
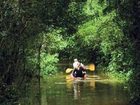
x=58, y=90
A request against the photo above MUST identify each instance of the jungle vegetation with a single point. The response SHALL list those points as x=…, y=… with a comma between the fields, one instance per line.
x=37, y=35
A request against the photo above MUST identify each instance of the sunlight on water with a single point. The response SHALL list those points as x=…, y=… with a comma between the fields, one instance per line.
x=61, y=90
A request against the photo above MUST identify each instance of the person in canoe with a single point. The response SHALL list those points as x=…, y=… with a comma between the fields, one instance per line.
x=79, y=70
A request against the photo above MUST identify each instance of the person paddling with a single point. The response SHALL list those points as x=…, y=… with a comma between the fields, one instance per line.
x=79, y=70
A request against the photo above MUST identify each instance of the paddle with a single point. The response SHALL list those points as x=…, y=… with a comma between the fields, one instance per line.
x=90, y=67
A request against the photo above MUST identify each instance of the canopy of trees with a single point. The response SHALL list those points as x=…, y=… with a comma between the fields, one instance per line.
x=36, y=35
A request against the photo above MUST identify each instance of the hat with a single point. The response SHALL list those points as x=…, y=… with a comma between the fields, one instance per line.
x=75, y=60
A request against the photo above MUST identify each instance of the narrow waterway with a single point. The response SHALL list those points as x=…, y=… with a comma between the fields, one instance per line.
x=60, y=90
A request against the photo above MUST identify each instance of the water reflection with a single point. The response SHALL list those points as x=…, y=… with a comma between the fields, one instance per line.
x=76, y=89
x=61, y=90
x=97, y=91
x=78, y=85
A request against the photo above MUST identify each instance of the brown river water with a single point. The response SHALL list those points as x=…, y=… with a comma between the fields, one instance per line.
x=60, y=90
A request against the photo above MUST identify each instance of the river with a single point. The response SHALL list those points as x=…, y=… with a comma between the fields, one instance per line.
x=60, y=90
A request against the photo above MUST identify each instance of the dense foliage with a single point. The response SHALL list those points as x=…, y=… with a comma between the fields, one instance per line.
x=105, y=33
x=35, y=35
